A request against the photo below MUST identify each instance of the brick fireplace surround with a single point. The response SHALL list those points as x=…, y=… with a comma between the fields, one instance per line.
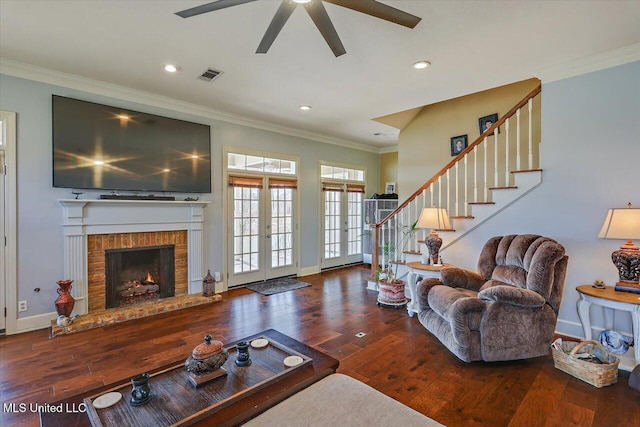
x=91, y=226
x=97, y=244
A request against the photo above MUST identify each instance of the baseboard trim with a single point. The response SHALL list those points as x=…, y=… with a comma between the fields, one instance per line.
x=308, y=271
x=33, y=323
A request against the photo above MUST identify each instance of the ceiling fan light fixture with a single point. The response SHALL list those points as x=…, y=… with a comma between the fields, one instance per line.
x=421, y=65
x=171, y=68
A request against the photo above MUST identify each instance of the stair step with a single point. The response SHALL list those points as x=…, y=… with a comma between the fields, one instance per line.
x=412, y=252
x=481, y=203
x=462, y=217
x=527, y=171
x=503, y=188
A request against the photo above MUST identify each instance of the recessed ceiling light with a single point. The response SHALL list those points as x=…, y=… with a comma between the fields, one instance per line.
x=171, y=68
x=301, y=1
x=305, y=107
x=421, y=65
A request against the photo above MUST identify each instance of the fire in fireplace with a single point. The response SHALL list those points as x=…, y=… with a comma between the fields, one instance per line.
x=135, y=275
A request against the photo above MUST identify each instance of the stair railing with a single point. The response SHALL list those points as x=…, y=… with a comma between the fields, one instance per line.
x=466, y=180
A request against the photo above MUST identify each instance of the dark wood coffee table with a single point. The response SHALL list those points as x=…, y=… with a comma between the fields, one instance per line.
x=245, y=394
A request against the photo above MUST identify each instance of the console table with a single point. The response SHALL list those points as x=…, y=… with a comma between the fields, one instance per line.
x=232, y=411
x=416, y=268
x=609, y=299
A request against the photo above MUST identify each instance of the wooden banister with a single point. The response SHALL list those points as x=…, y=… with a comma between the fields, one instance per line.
x=443, y=171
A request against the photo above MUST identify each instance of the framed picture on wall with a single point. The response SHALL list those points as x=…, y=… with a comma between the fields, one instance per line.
x=390, y=187
x=487, y=121
x=458, y=144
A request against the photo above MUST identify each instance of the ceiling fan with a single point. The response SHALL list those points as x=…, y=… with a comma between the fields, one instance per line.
x=318, y=14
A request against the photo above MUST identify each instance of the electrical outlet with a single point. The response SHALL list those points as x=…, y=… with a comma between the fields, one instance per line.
x=22, y=306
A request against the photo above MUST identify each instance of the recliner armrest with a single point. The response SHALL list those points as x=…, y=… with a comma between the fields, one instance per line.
x=422, y=291
x=460, y=278
x=512, y=295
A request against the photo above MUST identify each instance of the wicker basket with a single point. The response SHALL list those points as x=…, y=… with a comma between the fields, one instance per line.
x=565, y=358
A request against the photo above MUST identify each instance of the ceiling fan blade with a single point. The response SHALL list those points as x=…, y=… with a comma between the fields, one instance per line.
x=319, y=15
x=379, y=10
x=210, y=7
x=278, y=21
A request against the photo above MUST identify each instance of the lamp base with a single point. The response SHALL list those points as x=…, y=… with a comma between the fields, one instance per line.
x=628, y=287
x=628, y=264
x=434, y=243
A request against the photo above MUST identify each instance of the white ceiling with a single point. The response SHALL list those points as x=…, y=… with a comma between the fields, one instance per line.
x=473, y=46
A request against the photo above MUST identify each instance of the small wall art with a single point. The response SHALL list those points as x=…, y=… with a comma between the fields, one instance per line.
x=487, y=121
x=458, y=144
x=390, y=187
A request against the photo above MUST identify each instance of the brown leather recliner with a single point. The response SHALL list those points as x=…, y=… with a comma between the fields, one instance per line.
x=505, y=311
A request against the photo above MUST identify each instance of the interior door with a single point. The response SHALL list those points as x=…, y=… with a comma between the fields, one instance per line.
x=262, y=243
x=342, y=224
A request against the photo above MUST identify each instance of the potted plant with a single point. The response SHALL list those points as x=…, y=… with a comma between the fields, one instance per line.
x=390, y=286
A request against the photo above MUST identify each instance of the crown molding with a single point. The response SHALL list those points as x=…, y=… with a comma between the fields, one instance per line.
x=72, y=81
x=389, y=149
x=600, y=61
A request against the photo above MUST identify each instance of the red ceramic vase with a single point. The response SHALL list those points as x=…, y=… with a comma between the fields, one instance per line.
x=65, y=302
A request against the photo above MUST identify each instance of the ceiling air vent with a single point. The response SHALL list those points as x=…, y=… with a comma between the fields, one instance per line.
x=209, y=75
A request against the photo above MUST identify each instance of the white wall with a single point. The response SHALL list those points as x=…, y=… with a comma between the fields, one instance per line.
x=40, y=235
x=590, y=155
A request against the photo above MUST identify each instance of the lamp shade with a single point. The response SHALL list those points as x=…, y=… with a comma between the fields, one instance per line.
x=435, y=218
x=622, y=223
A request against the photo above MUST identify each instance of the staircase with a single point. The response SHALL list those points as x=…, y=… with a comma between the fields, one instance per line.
x=494, y=171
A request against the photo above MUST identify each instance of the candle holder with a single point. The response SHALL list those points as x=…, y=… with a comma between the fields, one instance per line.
x=243, y=358
x=141, y=391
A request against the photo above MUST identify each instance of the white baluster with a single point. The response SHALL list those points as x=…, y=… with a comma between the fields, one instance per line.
x=431, y=197
x=475, y=173
x=486, y=167
x=439, y=191
x=495, y=158
x=466, y=186
x=530, y=134
x=448, y=191
x=518, y=139
x=383, y=241
x=456, y=180
x=506, y=143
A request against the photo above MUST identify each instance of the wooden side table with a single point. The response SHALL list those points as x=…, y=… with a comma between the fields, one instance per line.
x=416, y=269
x=609, y=299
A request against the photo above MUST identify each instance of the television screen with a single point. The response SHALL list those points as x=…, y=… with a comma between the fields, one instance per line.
x=100, y=147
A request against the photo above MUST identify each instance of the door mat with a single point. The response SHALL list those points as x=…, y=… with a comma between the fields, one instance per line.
x=275, y=286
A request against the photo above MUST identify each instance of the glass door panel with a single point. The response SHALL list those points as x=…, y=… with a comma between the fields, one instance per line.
x=262, y=240
x=342, y=227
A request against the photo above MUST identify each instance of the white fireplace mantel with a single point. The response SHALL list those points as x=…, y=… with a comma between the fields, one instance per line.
x=85, y=217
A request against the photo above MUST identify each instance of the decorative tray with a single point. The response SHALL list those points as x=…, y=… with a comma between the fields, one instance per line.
x=174, y=401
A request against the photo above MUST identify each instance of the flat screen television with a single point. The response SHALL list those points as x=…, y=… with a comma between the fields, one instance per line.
x=109, y=148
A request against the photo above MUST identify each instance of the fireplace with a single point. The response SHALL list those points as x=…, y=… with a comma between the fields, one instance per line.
x=91, y=227
x=135, y=275
x=118, y=264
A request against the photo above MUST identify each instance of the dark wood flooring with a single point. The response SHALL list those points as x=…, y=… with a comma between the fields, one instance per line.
x=397, y=356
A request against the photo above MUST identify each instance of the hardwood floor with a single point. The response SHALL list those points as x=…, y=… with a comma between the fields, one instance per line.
x=397, y=356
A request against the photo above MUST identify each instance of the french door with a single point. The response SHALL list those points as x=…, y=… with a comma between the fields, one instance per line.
x=342, y=224
x=262, y=229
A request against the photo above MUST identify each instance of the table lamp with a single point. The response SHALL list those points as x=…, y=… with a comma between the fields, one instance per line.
x=435, y=219
x=624, y=224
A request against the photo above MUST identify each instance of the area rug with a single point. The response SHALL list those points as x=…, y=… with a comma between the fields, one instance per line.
x=275, y=286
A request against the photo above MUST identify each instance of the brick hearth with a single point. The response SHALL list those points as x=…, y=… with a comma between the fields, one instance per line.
x=112, y=316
